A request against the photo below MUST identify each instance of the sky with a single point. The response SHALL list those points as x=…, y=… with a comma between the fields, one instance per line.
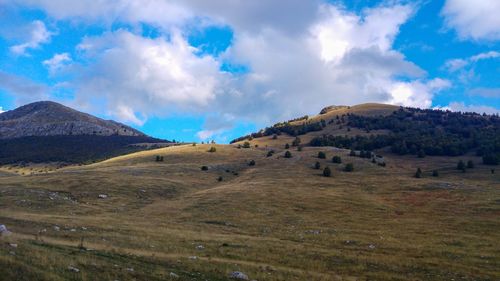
x=197, y=70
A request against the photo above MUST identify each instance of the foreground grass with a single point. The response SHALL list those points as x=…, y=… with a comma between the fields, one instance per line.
x=277, y=220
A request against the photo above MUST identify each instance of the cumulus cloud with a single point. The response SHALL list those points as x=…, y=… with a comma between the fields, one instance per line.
x=151, y=76
x=23, y=89
x=477, y=20
x=57, y=62
x=1, y=109
x=38, y=36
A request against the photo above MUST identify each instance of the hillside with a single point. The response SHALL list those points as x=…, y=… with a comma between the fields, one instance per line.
x=402, y=131
x=43, y=132
x=136, y=218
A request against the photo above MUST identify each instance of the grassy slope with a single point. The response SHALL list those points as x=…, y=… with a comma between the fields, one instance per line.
x=278, y=220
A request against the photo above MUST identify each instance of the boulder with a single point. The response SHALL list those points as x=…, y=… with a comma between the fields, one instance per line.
x=3, y=230
x=238, y=275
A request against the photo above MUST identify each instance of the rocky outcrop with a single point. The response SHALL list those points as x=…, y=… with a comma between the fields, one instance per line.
x=52, y=119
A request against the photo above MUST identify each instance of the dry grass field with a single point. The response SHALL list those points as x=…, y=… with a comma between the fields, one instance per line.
x=277, y=220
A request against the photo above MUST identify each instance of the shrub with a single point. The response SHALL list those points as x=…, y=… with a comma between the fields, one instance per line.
x=251, y=163
x=275, y=136
x=287, y=146
x=461, y=165
x=336, y=159
x=204, y=168
x=327, y=172
x=349, y=167
x=296, y=141
x=435, y=173
x=470, y=164
x=321, y=155
x=299, y=148
x=212, y=149
x=288, y=154
x=270, y=153
x=317, y=165
x=219, y=178
x=246, y=145
x=159, y=158
x=418, y=173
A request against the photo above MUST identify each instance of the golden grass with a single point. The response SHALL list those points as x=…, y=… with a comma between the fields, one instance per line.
x=277, y=220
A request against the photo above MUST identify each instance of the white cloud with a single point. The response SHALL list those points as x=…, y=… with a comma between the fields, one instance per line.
x=149, y=76
x=485, y=92
x=23, y=89
x=477, y=20
x=57, y=62
x=416, y=93
x=458, y=64
x=38, y=35
x=1, y=110
x=460, y=106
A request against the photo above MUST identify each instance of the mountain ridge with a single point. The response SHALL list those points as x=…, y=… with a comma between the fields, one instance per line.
x=48, y=118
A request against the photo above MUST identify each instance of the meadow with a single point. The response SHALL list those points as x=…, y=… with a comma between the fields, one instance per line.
x=135, y=218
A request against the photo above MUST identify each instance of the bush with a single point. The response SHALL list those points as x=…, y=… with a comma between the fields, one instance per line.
x=219, y=179
x=349, y=167
x=321, y=155
x=204, y=168
x=296, y=141
x=275, y=136
x=317, y=165
x=212, y=149
x=470, y=164
x=251, y=163
x=287, y=146
x=159, y=158
x=435, y=173
x=288, y=154
x=418, y=174
x=461, y=165
x=270, y=153
x=327, y=172
x=246, y=145
x=336, y=159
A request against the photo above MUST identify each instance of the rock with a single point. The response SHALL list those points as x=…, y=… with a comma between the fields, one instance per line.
x=238, y=275
x=3, y=230
x=371, y=246
x=13, y=245
x=200, y=247
x=56, y=228
x=193, y=257
x=72, y=230
x=74, y=269
x=131, y=269
x=103, y=196
x=173, y=275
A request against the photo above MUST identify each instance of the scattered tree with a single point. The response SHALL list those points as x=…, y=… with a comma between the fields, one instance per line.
x=435, y=173
x=219, y=178
x=470, y=164
x=352, y=153
x=327, y=172
x=212, y=149
x=287, y=146
x=251, y=163
x=317, y=165
x=270, y=153
x=421, y=154
x=288, y=154
x=336, y=159
x=321, y=155
x=296, y=141
x=349, y=167
x=299, y=148
x=275, y=136
x=246, y=145
x=204, y=168
x=461, y=165
x=418, y=174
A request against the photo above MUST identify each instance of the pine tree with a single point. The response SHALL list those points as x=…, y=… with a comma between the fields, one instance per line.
x=288, y=154
x=435, y=173
x=327, y=172
x=321, y=155
x=336, y=159
x=470, y=164
x=317, y=165
x=287, y=146
x=418, y=174
x=349, y=167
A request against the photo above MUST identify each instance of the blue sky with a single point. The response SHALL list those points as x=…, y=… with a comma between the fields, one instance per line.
x=201, y=70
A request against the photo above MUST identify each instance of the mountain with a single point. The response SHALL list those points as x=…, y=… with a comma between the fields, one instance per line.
x=46, y=118
x=46, y=131
x=391, y=129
